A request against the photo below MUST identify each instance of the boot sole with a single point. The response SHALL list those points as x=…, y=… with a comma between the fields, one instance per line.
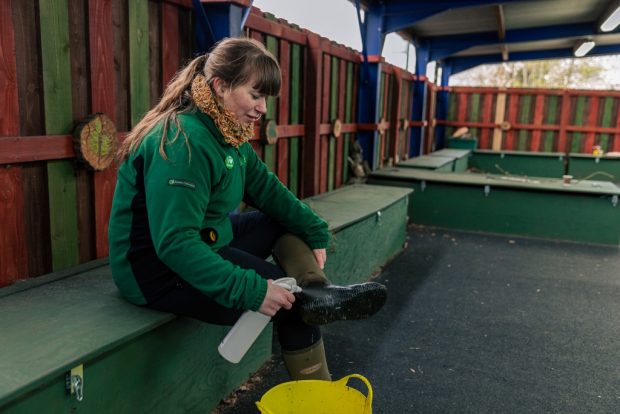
x=357, y=302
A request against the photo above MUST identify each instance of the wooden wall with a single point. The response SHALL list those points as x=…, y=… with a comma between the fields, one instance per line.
x=539, y=120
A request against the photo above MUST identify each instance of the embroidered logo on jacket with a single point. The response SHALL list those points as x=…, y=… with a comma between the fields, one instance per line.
x=229, y=162
x=181, y=183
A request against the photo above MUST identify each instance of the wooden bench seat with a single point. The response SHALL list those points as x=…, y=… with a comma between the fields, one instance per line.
x=137, y=360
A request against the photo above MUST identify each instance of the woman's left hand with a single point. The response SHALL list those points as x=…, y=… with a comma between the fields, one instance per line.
x=321, y=257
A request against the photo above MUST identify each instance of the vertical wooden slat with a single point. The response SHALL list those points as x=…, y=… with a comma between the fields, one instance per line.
x=616, y=139
x=121, y=64
x=576, y=144
x=524, y=119
x=295, y=99
x=474, y=112
x=169, y=41
x=487, y=108
x=80, y=76
x=13, y=253
x=608, y=104
x=283, y=111
x=102, y=77
x=324, y=154
x=269, y=150
x=34, y=175
x=347, y=118
x=311, y=143
x=156, y=51
x=538, y=117
x=56, y=70
x=500, y=112
x=513, y=111
x=186, y=35
x=462, y=108
x=551, y=118
x=564, y=119
x=139, y=79
x=340, y=161
x=430, y=116
x=333, y=113
x=589, y=141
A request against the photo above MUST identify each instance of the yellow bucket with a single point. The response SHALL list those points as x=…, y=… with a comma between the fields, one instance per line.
x=317, y=397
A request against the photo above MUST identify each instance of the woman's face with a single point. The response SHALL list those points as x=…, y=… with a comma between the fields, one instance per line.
x=245, y=102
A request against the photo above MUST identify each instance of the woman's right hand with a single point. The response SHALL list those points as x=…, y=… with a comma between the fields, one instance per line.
x=276, y=298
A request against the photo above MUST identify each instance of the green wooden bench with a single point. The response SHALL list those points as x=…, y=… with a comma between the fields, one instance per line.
x=603, y=168
x=429, y=162
x=136, y=360
x=582, y=211
x=523, y=163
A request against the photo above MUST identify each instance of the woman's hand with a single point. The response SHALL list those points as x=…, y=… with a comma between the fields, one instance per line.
x=321, y=257
x=276, y=298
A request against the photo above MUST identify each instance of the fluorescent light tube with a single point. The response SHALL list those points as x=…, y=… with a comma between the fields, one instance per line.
x=583, y=47
x=612, y=21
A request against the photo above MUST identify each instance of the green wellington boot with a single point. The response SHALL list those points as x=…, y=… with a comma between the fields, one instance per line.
x=308, y=363
x=297, y=260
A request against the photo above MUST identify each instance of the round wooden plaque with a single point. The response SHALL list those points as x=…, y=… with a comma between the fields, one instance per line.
x=95, y=141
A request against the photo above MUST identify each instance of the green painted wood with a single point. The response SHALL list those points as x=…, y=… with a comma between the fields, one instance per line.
x=474, y=112
x=604, y=141
x=295, y=104
x=452, y=103
x=536, y=208
x=524, y=118
x=56, y=70
x=269, y=151
x=551, y=119
x=348, y=118
x=587, y=166
x=430, y=162
x=578, y=109
x=518, y=163
x=333, y=114
x=461, y=158
x=132, y=357
x=139, y=78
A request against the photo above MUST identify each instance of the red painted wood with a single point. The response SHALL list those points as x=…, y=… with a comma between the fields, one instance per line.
x=513, y=110
x=564, y=120
x=258, y=23
x=257, y=145
x=462, y=106
x=590, y=137
x=615, y=146
x=340, y=164
x=312, y=118
x=9, y=107
x=103, y=99
x=539, y=111
x=183, y=3
x=35, y=148
x=487, y=113
x=324, y=157
x=169, y=41
x=13, y=253
x=283, y=112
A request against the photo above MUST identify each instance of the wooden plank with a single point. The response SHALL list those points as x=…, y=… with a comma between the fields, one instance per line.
x=81, y=98
x=474, y=112
x=269, y=151
x=616, y=140
x=524, y=118
x=9, y=106
x=551, y=106
x=311, y=143
x=452, y=111
x=325, y=98
x=139, y=79
x=608, y=104
x=347, y=117
x=156, y=50
x=500, y=111
x=462, y=106
x=169, y=41
x=283, y=110
x=576, y=145
x=186, y=38
x=564, y=120
x=13, y=254
x=295, y=112
x=102, y=75
x=589, y=140
x=487, y=108
x=341, y=163
x=513, y=111
x=257, y=145
x=56, y=69
x=121, y=64
x=537, y=121
x=333, y=113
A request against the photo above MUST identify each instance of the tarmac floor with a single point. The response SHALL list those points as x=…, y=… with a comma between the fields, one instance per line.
x=479, y=323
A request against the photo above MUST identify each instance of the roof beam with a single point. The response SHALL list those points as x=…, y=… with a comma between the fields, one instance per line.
x=464, y=63
x=501, y=31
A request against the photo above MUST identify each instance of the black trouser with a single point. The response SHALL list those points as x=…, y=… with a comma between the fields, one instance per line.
x=254, y=235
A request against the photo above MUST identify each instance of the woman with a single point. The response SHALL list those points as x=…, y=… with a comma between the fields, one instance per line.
x=175, y=246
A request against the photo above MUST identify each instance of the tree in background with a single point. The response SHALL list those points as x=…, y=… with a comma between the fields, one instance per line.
x=585, y=73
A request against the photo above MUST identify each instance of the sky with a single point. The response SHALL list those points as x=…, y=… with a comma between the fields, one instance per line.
x=337, y=20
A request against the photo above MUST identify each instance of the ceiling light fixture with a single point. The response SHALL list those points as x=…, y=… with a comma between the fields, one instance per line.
x=582, y=47
x=611, y=21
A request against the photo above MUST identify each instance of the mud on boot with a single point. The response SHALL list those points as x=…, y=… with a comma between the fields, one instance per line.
x=320, y=305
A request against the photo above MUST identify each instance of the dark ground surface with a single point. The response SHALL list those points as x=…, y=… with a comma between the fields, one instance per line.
x=479, y=323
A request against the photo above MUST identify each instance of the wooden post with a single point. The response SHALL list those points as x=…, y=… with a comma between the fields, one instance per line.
x=500, y=110
x=311, y=142
x=538, y=118
x=564, y=118
x=395, y=122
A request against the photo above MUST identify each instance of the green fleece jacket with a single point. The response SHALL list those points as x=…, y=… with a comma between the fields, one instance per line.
x=169, y=217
